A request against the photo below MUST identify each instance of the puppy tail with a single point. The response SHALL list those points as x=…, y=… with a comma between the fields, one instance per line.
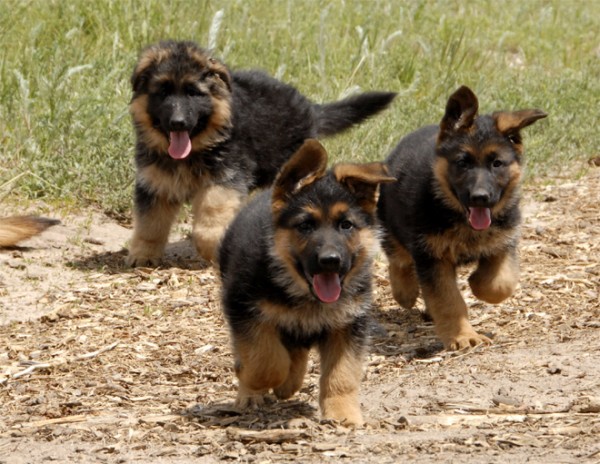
x=333, y=118
x=17, y=228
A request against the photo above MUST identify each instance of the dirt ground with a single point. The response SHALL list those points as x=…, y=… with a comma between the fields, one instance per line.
x=100, y=363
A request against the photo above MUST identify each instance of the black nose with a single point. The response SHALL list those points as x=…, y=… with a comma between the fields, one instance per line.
x=177, y=123
x=330, y=261
x=479, y=197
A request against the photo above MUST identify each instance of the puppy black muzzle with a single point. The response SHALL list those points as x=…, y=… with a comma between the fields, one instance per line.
x=326, y=264
x=479, y=193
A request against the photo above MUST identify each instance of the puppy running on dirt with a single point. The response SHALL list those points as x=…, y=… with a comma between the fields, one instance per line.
x=456, y=201
x=206, y=135
x=296, y=272
x=15, y=229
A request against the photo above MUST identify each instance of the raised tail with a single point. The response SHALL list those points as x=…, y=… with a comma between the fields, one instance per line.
x=17, y=228
x=338, y=116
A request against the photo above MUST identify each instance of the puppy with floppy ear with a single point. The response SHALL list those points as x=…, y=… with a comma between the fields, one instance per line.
x=296, y=271
x=456, y=201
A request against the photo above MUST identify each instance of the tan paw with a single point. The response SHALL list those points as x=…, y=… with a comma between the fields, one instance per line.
x=343, y=410
x=144, y=253
x=406, y=297
x=493, y=292
x=207, y=242
x=143, y=259
x=405, y=287
x=345, y=417
x=464, y=339
x=495, y=279
x=249, y=400
x=285, y=391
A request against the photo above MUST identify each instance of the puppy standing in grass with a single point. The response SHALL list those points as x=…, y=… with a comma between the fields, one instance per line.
x=456, y=201
x=207, y=136
x=296, y=272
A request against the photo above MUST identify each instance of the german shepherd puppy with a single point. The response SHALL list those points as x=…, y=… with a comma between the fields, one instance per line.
x=15, y=229
x=456, y=201
x=296, y=272
x=208, y=135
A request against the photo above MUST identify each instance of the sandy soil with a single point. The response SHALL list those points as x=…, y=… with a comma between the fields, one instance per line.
x=100, y=363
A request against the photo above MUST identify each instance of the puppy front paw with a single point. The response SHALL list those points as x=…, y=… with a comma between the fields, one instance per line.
x=344, y=409
x=249, y=398
x=467, y=337
x=143, y=259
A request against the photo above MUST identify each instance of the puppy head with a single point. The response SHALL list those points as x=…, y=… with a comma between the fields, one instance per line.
x=478, y=163
x=324, y=222
x=181, y=98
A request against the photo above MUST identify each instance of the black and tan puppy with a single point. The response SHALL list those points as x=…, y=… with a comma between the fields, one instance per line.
x=15, y=229
x=296, y=272
x=456, y=201
x=207, y=135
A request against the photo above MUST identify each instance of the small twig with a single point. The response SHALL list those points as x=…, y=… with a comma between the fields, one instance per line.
x=436, y=359
x=81, y=357
x=58, y=420
x=93, y=354
x=475, y=419
x=266, y=436
x=30, y=369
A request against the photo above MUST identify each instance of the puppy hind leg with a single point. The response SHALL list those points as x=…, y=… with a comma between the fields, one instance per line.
x=403, y=277
x=213, y=209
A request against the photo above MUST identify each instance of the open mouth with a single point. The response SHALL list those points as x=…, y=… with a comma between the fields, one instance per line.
x=480, y=218
x=180, y=144
x=327, y=286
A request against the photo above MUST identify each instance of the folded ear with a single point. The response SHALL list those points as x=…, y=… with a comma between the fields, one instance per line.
x=305, y=166
x=461, y=110
x=362, y=181
x=511, y=122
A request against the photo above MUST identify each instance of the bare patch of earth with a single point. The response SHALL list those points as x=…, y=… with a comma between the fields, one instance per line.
x=101, y=363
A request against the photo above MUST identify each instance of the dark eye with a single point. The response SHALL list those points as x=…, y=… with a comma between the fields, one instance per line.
x=165, y=89
x=514, y=138
x=192, y=91
x=306, y=226
x=497, y=163
x=461, y=163
x=346, y=225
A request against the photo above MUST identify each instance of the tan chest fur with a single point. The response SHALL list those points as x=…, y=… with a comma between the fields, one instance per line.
x=180, y=185
x=461, y=243
x=313, y=317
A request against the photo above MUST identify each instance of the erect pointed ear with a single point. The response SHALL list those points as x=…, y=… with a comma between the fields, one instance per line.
x=220, y=70
x=139, y=78
x=461, y=110
x=305, y=166
x=146, y=61
x=362, y=180
x=511, y=122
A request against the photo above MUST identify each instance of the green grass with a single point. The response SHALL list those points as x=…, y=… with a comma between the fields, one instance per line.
x=65, y=131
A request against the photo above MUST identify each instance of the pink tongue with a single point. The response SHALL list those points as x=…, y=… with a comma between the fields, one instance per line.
x=180, y=145
x=327, y=286
x=480, y=218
